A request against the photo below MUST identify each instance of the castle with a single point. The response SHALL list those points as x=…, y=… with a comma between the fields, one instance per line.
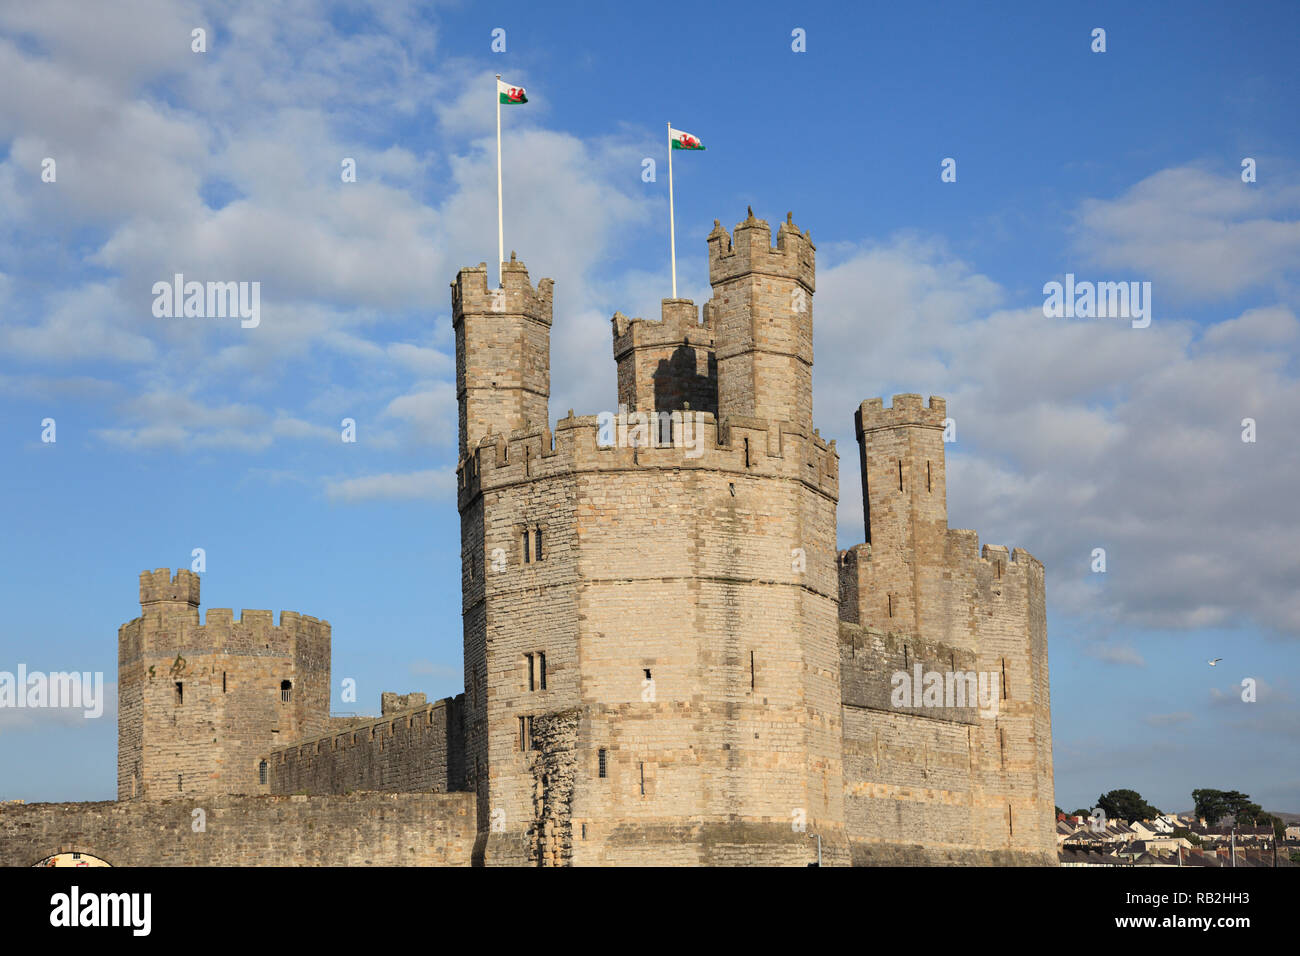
x=667, y=660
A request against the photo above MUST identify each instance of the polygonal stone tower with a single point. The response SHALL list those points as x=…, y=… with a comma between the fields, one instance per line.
x=199, y=703
x=761, y=313
x=651, y=646
x=503, y=342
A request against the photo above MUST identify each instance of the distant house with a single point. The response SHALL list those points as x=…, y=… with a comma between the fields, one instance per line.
x=1092, y=855
x=1145, y=829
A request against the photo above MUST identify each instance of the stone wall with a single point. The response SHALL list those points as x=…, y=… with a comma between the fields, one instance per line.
x=361, y=829
x=420, y=749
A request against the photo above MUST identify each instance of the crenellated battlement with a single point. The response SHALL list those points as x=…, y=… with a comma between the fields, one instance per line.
x=679, y=325
x=254, y=632
x=997, y=559
x=905, y=410
x=253, y=617
x=963, y=548
x=161, y=586
x=740, y=446
x=470, y=294
x=750, y=251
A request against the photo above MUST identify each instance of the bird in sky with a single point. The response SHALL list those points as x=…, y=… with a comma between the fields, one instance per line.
x=1215, y=661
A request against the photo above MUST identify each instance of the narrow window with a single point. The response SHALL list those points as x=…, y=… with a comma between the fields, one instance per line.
x=751, y=670
x=904, y=657
x=1002, y=747
x=261, y=773
x=531, y=681
x=1005, y=695
x=927, y=477
x=643, y=778
x=647, y=673
x=891, y=605
x=600, y=759
x=180, y=693
x=900, y=474
x=525, y=733
x=747, y=462
x=527, y=559
x=178, y=782
x=537, y=545
x=541, y=670
x=286, y=691
x=223, y=682
x=584, y=831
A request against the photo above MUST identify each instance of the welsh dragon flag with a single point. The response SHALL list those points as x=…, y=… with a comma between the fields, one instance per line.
x=510, y=94
x=682, y=140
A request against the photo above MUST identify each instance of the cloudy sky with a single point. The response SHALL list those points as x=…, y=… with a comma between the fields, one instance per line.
x=1072, y=434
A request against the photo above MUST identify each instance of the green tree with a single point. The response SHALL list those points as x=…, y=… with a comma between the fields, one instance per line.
x=1126, y=805
x=1210, y=805
x=1217, y=805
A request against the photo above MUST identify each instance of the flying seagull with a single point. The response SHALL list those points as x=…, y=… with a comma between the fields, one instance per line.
x=1215, y=661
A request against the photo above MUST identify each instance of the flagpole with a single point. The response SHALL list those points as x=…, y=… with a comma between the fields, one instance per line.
x=672, y=226
x=501, y=237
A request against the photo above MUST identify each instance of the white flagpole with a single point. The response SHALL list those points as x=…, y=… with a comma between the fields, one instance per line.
x=501, y=237
x=672, y=226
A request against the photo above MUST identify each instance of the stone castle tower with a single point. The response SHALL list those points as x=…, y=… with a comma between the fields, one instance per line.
x=651, y=643
x=666, y=658
x=919, y=595
x=199, y=704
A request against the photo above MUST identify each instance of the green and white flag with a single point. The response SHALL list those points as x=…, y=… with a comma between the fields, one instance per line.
x=680, y=140
x=510, y=94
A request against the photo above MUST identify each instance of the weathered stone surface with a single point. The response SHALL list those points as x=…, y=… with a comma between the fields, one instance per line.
x=360, y=829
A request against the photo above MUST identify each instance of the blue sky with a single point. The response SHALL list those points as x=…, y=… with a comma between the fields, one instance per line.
x=174, y=434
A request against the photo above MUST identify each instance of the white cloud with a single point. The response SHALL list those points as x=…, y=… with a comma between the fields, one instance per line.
x=1076, y=434
x=1195, y=233
x=1113, y=654
x=431, y=485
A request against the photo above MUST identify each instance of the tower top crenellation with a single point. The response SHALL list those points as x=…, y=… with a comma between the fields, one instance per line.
x=750, y=251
